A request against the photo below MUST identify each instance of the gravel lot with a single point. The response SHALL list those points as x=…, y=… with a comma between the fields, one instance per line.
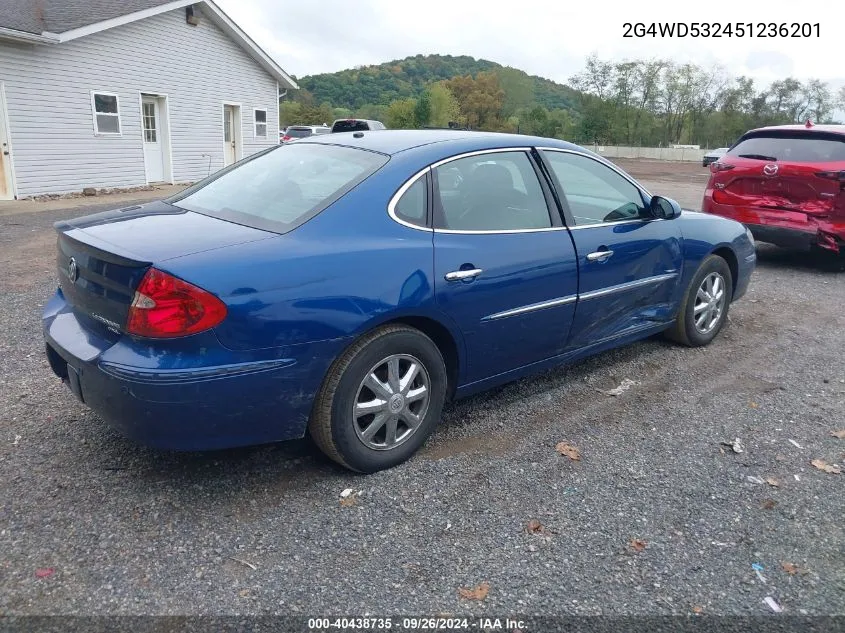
x=93, y=524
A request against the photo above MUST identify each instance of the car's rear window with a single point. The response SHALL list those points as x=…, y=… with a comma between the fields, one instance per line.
x=279, y=189
x=298, y=132
x=791, y=147
x=350, y=126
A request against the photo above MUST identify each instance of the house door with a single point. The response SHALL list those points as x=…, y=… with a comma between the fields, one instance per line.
x=231, y=135
x=6, y=189
x=153, y=141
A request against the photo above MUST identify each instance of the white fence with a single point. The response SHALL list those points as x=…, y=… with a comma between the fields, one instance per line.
x=653, y=153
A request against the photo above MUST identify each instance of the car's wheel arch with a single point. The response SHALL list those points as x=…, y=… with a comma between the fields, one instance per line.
x=445, y=335
x=727, y=253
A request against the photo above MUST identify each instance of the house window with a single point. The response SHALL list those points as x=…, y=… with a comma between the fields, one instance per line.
x=106, y=113
x=260, y=123
x=149, y=122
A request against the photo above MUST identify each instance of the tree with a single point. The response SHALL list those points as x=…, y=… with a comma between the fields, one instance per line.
x=625, y=75
x=480, y=99
x=596, y=122
x=289, y=113
x=401, y=114
x=819, y=100
x=518, y=88
x=372, y=111
x=596, y=79
x=340, y=113
x=534, y=121
x=444, y=107
x=422, y=112
x=315, y=115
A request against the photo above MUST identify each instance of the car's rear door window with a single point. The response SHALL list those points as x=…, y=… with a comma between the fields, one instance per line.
x=496, y=191
x=279, y=189
x=793, y=147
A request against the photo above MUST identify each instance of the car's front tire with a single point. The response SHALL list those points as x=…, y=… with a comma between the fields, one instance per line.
x=704, y=308
x=381, y=399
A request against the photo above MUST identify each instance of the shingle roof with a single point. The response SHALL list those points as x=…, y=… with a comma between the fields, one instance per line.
x=57, y=21
x=58, y=16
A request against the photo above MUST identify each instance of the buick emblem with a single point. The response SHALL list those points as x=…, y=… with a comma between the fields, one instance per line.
x=770, y=170
x=72, y=270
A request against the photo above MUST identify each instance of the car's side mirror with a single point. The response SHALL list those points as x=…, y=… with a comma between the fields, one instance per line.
x=664, y=208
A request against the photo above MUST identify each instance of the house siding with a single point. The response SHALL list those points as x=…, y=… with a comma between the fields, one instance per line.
x=48, y=97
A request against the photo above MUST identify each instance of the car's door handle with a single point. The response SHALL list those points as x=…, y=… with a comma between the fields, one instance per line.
x=599, y=256
x=461, y=275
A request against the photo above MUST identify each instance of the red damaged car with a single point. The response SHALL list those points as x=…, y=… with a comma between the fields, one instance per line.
x=786, y=183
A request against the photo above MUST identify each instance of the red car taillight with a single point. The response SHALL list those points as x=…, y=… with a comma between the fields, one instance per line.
x=716, y=167
x=167, y=307
x=832, y=175
x=286, y=138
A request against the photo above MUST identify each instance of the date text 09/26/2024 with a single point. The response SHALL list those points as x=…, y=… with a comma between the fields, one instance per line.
x=414, y=624
x=722, y=29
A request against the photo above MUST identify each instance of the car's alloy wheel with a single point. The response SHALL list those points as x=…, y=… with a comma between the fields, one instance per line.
x=710, y=302
x=391, y=403
x=705, y=304
x=380, y=400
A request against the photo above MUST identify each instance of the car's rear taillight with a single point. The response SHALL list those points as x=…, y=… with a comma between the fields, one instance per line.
x=286, y=138
x=832, y=175
x=167, y=307
x=717, y=167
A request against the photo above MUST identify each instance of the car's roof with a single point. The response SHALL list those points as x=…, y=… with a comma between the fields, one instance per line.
x=828, y=128
x=395, y=141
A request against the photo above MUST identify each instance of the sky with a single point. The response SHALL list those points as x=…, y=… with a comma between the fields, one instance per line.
x=546, y=38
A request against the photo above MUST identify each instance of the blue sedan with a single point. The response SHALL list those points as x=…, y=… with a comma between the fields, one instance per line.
x=348, y=285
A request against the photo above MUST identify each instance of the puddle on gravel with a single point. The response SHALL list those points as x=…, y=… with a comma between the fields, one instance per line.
x=490, y=445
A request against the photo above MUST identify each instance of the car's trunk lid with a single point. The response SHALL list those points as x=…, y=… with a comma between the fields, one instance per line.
x=102, y=258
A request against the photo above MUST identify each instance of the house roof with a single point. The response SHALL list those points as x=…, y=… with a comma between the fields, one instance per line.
x=57, y=21
x=58, y=16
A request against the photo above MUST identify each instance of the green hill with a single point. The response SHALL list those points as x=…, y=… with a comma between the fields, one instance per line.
x=406, y=78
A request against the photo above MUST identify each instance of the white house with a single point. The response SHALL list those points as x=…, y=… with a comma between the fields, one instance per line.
x=122, y=93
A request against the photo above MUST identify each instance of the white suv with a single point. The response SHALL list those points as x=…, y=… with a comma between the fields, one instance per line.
x=293, y=132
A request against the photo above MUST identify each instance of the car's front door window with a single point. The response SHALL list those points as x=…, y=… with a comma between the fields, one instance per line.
x=490, y=192
x=595, y=193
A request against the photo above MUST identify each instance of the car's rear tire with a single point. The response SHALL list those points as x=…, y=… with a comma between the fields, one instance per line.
x=381, y=399
x=704, y=308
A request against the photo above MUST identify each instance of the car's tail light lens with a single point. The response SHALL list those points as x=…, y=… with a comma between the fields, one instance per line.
x=719, y=196
x=832, y=175
x=167, y=307
x=717, y=167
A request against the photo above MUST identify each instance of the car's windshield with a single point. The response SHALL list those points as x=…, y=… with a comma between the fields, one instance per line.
x=350, y=126
x=791, y=147
x=281, y=188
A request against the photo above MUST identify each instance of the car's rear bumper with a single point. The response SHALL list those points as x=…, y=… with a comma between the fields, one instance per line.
x=209, y=400
x=790, y=229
